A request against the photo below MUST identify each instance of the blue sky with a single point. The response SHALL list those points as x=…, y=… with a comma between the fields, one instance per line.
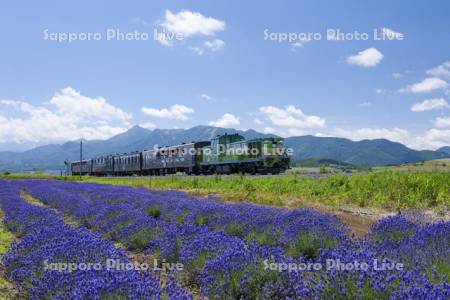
x=223, y=71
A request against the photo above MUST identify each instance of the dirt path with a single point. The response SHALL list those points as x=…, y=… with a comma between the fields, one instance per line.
x=359, y=225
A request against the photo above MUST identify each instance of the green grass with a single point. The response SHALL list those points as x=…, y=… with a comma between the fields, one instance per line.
x=36, y=175
x=382, y=188
x=308, y=244
x=202, y=220
x=154, y=211
x=7, y=289
x=388, y=188
x=6, y=237
x=141, y=239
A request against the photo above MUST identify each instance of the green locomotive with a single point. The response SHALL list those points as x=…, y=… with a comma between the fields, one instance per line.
x=233, y=154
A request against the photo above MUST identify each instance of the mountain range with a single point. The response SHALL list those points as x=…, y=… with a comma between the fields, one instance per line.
x=366, y=152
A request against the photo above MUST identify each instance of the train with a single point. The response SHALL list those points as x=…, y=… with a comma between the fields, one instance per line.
x=223, y=154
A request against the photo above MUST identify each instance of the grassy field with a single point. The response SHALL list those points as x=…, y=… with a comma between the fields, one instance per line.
x=418, y=186
x=385, y=189
x=437, y=165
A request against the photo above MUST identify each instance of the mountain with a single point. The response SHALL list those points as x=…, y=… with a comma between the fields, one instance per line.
x=363, y=153
x=445, y=150
x=366, y=152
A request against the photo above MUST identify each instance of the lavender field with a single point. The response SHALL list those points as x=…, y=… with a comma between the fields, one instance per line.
x=96, y=241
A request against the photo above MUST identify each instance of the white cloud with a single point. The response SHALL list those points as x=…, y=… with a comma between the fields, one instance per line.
x=67, y=116
x=184, y=24
x=366, y=58
x=206, y=97
x=296, y=45
x=395, y=134
x=382, y=91
x=291, y=116
x=442, y=122
x=214, y=45
x=442, y=70
x=427, y=85
x=198, y=50
x=397, y=75
x=225, y=121
x=148, y=125
x=299, y=44
x=365, y=104
x=269, y=130
x=430, y=104
x=190, y=23
x=177, y=111
x=391, y=34
x=257, y=121
x=296, y=132
x=433, y=139
x=164, y=39
x=70, y=101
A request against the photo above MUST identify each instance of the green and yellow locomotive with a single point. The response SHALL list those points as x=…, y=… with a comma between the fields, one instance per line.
x=233, y=154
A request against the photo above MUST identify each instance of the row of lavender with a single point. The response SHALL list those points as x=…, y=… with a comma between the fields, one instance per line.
x=222, y=247
x=53, y=260
x=241, y=251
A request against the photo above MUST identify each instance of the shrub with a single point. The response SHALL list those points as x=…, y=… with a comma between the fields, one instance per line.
x=154, y=211
x=309, y=244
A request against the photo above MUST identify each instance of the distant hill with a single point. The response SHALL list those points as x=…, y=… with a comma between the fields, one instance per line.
x=366, y=152
x=363, y=153
x=445, y=150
